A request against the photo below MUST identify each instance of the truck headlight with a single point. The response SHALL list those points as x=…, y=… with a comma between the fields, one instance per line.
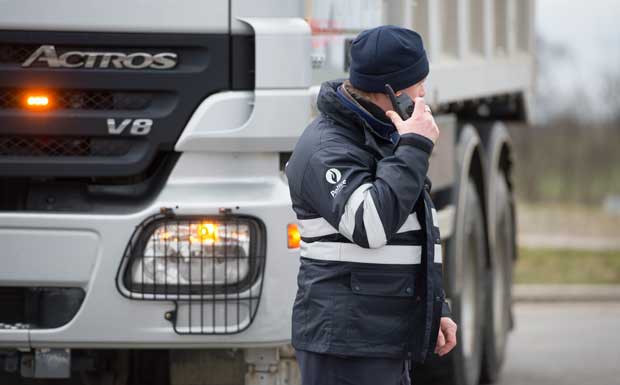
x=196, y=256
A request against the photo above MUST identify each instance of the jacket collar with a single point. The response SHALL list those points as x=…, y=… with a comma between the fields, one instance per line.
x=367, y=104
x=336, y=103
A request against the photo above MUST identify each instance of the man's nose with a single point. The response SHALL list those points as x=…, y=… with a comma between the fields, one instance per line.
x=422, y=92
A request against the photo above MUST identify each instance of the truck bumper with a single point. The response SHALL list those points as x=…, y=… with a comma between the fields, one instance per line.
x=85, y=250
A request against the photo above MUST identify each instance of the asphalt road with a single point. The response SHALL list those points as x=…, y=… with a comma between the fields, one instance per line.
x=564, y=344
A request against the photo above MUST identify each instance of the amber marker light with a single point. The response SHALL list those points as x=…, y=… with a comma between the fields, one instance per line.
x=293, y=236
x=207, y=232
x=37, y=101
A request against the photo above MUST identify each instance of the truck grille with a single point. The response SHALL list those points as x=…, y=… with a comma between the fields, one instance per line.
x=38, y=146
x=15, y=53
x=81, y=100
x=97, y=80
x=214, y=279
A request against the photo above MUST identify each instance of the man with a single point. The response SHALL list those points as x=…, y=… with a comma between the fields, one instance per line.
x=370, y=296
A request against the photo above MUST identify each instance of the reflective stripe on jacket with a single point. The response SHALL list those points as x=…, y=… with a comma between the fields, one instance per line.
x=370, y=246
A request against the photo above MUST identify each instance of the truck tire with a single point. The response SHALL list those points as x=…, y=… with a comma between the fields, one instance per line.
x=462, y=365
x=498, y=320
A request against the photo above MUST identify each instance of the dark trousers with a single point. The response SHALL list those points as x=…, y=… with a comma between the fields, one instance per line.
x=328, y=369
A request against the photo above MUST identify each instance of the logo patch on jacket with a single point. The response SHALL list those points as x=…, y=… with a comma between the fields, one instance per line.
x=340, y=186
x=333, y=175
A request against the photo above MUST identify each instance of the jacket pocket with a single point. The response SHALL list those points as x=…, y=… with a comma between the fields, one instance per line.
x=382, y=284
x=380, y=309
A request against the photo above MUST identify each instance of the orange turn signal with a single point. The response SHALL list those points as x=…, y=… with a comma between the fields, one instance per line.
x=293, y=236
x=37, y=101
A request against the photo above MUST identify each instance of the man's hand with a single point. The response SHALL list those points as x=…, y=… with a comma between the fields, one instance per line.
x=421, y=121
x=447, y=336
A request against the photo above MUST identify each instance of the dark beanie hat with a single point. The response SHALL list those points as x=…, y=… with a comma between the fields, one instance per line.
x=387, y=55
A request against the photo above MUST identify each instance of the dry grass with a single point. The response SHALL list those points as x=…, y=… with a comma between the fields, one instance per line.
x=566, y=161
x=567, y=266
x=566, y=219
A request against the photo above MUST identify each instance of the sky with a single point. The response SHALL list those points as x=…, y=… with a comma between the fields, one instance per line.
x=588, y=33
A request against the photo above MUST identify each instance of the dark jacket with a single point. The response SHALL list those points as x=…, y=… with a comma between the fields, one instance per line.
x=370, y=279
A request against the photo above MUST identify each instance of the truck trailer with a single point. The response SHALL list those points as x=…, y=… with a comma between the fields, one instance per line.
x=145, y=219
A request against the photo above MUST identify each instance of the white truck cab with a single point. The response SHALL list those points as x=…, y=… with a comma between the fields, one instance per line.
x=145, y=220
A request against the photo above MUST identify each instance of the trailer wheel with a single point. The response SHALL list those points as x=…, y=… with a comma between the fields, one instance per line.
x=462, y=365
x=499, y=282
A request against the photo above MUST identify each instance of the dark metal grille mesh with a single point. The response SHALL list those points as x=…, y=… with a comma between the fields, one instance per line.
x=62, y=146
x=208, y=302
x=16, y=53
x=81, y=100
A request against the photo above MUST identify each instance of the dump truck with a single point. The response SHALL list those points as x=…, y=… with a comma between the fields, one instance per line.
x=145, y=219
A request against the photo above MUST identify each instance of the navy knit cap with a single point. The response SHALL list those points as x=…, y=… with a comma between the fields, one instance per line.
x=387, y=55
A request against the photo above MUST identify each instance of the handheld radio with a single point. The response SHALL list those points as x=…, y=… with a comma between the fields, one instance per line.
x=402, y=104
